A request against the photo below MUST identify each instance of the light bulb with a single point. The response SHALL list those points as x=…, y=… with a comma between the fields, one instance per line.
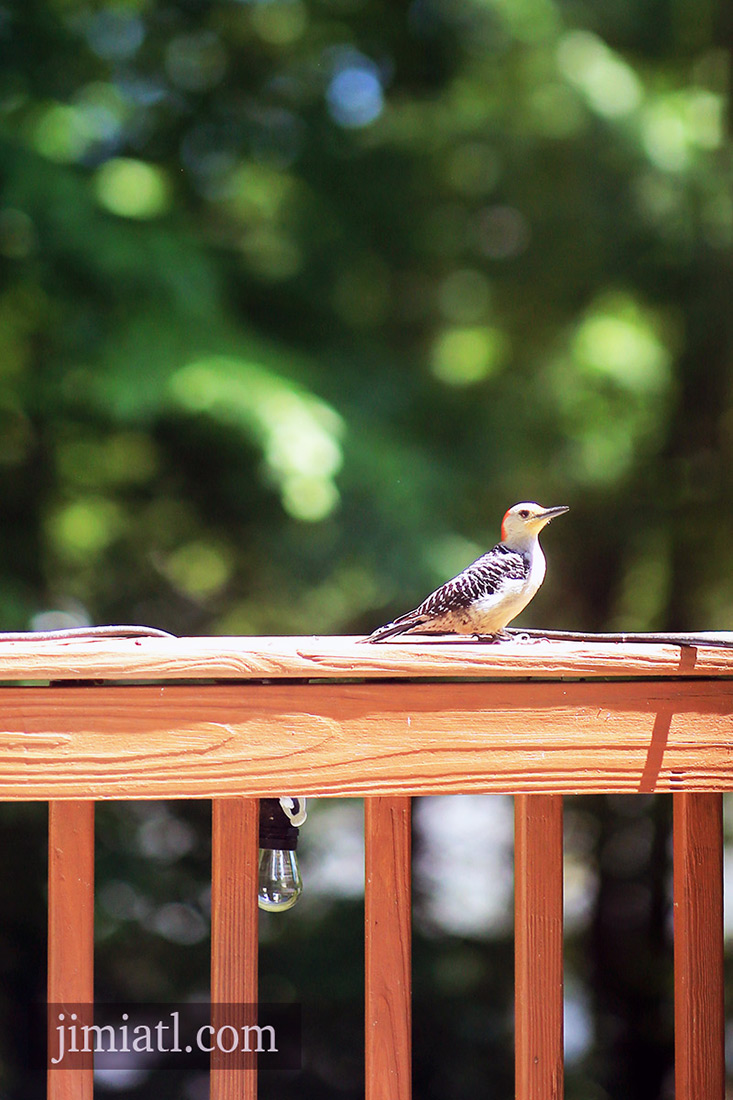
x=279, y=881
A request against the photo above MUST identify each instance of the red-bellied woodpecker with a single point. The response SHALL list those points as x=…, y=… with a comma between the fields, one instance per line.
x=491, y=591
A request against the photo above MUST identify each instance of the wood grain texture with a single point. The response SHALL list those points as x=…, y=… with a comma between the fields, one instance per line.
x=538, y=938
x=71, y=933
x=354, y=739
x=698, y=947
x=388, y=940
x=332, y=657
x=234, y=935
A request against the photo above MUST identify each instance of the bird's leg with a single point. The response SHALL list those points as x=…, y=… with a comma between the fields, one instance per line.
x=490, y=639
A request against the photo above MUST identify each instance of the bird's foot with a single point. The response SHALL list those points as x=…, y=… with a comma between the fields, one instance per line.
x=505, y=636
x=523, y=637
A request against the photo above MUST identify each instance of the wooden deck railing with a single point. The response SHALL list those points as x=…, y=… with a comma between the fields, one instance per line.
x=237, y=719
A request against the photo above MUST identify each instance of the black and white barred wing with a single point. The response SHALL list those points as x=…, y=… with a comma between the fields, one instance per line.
x=483, y=578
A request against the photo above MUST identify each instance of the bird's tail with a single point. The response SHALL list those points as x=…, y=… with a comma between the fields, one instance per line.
x=390, y=630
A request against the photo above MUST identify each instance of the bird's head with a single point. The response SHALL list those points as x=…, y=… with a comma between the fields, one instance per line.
x=523, y=522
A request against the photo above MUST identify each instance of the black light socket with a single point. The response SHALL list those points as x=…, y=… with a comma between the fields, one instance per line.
x=276, y=829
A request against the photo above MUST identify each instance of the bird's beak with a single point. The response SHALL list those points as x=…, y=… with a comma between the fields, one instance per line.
x=550, y=513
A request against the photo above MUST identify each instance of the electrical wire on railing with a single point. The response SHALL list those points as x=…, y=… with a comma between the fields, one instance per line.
x=722, y=638
x=83, y=634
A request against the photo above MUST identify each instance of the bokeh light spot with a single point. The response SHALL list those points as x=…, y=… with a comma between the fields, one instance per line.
x=473, y=168
x=131, y=188
x=178, y=923
x=502, y=232
x=115, y=33
x=63, y=133
x=196, y=62
x=557, y=111
x=463, y=356
x=84, y=528
x=610, y=87
x=299, y=434
x=464, y=296
x=354, y=96
x=618, y=340
x=200, y=569
x=674, y=127
x=280, y=22
x=310, y=499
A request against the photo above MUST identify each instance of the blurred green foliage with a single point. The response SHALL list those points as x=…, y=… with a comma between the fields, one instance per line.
x=297, y=296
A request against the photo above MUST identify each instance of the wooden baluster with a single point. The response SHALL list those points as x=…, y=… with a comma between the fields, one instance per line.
x=388, y=927
x=70, y=939
x=698, y=947
x=234, y=931
x=538, y=916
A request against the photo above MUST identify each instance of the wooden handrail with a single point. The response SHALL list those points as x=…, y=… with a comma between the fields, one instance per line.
x=338, y=657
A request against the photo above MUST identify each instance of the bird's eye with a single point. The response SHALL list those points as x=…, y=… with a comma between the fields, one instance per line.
x=524, y=513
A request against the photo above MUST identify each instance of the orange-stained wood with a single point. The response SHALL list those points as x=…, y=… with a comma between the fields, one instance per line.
x=698, y=947
x=276, y=657
x=388, y=928
x=372, y=738
x=538, y=917
x=234, y=928
x=70, y=935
